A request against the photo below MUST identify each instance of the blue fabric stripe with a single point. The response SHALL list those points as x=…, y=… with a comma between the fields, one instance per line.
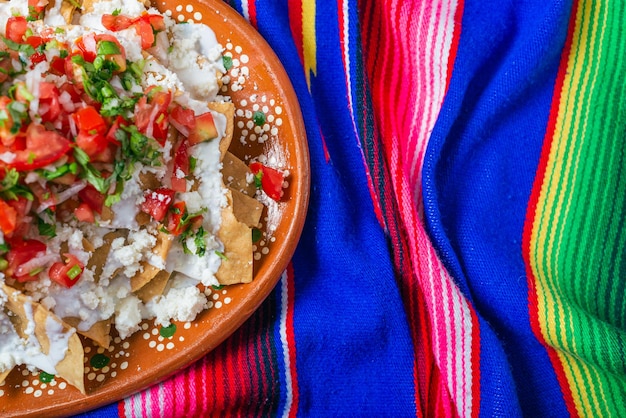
x=354, y=352
x=479, y=169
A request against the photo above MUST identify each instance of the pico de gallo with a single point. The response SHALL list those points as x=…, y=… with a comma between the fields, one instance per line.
x=76, y=120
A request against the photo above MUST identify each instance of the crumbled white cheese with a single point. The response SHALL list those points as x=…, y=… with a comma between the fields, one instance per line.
x=182, y=304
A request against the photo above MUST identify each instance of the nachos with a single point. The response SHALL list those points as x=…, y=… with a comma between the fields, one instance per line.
x=113, y=207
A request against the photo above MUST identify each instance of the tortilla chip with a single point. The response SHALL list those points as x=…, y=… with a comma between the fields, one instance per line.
x=228, y=110
x=100, y=254
x=67, y=9
x=3, y=375
x=235, y=173
x=148, y=271
x=98, y=333
x=71, y=368
x=87, y=5
x=156, y=287
x=236, y=236
x=246, y=209
x=149, y=181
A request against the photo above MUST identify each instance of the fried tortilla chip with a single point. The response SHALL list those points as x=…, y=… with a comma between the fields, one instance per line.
x=71, y=367
x=228, y=110
x=100, y=332
x=235, y=173
x=148, y=271
x=236, y=266
x=67, y=9
x=100, y=254
x=246, y=209
x=156, y=287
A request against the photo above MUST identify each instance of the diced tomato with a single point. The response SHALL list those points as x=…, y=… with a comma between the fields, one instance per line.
x=49, y=106
x=205, y=129
x=16, y=28
x=91, y=131
x=88, y=119
x=156, y=21
x=20, y=252
x=271, y=179
x=8, y=218
x=36, y=58
x=67, y=273
x=84, y=213
x=92, y=144
x=174, y=221
x=70, y=89
x=35, y=41
x=151, y=116
x=157, y=202
x=115, y=23
x=145, y=25
x=36, y=8
x=57, y=66
x=145, y=32
x=21, y=205
x=181, y=166
x=87, y=45
x=42, y=147
x=110, y=136
x=184, y=120
x=93, y=198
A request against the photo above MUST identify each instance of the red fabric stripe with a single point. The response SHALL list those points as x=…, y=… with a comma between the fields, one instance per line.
x=458, y=20
x=120, y=409
x=295, y=21
x=532, y=209
x=252, y=13
x=475, y=366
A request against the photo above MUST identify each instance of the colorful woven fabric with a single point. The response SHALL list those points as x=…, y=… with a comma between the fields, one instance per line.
x=464, y=252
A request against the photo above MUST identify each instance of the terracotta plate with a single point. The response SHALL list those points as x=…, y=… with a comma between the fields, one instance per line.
x=257, y=83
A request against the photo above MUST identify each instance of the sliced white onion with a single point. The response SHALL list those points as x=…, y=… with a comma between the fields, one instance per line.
x=180, y=128
x=62, y=197
x=40, y=260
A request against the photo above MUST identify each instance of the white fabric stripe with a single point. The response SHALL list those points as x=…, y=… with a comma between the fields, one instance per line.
x=244, y=9
x=346, y=57
x=161, y=392
x=284, y=294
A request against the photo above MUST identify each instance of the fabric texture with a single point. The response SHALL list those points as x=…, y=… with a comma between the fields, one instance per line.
x=464, y=250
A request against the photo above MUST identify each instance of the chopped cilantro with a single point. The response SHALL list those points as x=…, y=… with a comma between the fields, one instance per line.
x=257, y=180
x=107, y=48
x=259, y=118
x=46, y=229
x=89, y=172
x=199, y=241
x=227, y=61
x=221, y=255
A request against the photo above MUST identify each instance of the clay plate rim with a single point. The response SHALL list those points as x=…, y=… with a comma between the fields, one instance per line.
x=249, y=296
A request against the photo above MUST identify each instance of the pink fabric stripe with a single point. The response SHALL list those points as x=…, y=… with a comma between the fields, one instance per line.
x=413, y=92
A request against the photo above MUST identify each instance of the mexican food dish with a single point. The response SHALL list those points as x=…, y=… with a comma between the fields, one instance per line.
x=119, y=199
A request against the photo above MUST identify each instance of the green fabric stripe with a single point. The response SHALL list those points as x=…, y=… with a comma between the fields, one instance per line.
x=583, y=265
